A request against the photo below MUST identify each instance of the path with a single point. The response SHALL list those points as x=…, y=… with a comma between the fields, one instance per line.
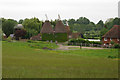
x=62, y=47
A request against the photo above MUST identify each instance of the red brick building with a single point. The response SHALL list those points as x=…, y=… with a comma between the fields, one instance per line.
x=113, y=35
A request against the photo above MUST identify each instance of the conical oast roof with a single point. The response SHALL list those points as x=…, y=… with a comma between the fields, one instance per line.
x=60, y=28
x=113, y=32
x=47, y=28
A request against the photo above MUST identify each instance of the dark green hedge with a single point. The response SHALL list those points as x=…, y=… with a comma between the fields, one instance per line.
x=60, y=37
x=48, y=37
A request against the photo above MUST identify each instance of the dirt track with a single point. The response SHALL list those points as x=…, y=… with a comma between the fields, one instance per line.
x=62, y=47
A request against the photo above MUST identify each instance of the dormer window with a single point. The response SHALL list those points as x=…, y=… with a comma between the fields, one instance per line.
x=105, y=39
x=110, y=39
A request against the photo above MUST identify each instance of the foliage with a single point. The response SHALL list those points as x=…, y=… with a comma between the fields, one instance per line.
x=82, y=25
x=112, y=42
x=31, y=41
x=48, y=37
x=32, y=26
x=116, y=45
x=61, y=37
x=100, y=25
x=20, y=21
x=19, y=33
x=95, y=42
x=102, y=32
x=9, y=39
x=80, y=40
x=112, y=57
x=8, y=26
x=42, y=44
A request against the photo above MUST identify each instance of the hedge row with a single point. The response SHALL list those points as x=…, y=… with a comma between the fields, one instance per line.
x=60, y=37
x=80, y=40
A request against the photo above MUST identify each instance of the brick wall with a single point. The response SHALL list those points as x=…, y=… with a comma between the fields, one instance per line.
x=108, y=41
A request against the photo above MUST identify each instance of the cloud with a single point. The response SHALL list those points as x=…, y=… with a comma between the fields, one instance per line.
x=93, y=9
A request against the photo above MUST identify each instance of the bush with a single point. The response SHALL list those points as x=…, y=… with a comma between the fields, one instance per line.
x=30, y=41
x=48, y=37
x=95, y=42
x=112, y=57
x=116, y=45
x=60, y=37
x=9, y=39
x=80, y=40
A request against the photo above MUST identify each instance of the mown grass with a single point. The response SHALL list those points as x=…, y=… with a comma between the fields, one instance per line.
x=22, y=61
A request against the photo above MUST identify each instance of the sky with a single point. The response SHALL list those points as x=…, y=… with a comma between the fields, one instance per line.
x=94, y=10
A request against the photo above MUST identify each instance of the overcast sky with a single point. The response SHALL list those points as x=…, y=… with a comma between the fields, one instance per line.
x=94, y=10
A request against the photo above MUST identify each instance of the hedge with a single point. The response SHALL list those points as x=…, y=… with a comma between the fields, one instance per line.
x=48, y=37
x=60, y=37
x=81, y=40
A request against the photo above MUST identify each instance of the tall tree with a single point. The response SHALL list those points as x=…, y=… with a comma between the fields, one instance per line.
x=20, y=21
x=83, y=20
x=116, y=21
x=8, y=26
x=100, y=25
x=32, y=26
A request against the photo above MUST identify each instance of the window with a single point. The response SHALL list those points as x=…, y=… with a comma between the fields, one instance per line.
x=117, y=39
x=110, y=39
x=105, y=39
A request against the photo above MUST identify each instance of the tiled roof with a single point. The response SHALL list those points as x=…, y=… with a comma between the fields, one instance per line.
x=60, y=28
x=47, y=28
x=113, y=32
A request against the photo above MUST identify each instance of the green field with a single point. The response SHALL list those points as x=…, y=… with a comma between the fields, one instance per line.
x=28, y=60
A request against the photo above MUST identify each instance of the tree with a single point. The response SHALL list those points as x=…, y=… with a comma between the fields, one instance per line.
x=32, y=26
x=20, y=21
x=8, y=26
x=100, y=25
x=53, y=23
x=20, y=33
x=116, y=21
x=111, y=22
x=102, y=32
x=83, y=20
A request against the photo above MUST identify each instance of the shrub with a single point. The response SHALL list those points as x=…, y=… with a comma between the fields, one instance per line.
x=30, y=41
x=48, y=37
x=112, y=42
x=116, y=45
x=61, y=37
x=112, y=57
x=9, y=39
x=95, y=42
x=80, y=40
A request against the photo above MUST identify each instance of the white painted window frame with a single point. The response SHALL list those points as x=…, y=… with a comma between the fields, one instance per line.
x=105, y=39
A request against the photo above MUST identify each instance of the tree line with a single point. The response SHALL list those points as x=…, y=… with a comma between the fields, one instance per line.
x=82, y=25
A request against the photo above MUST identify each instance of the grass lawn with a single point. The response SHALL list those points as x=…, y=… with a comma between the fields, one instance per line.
x=26, y=60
